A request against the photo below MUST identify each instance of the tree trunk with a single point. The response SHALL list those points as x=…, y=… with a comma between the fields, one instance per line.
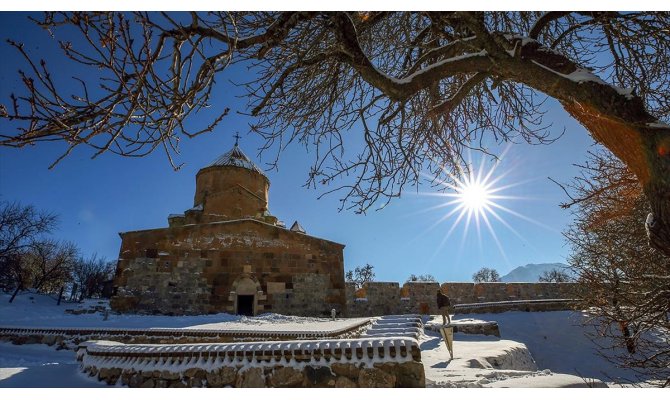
x=628, y=338
x=623, y=324
x=645, y=149
x=74, y=292
x=18, y=288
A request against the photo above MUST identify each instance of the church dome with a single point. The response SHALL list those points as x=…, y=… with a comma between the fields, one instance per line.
x=230, y=187
x=235, y=158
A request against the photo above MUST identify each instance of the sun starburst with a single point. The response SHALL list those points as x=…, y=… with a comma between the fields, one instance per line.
x=476, y=197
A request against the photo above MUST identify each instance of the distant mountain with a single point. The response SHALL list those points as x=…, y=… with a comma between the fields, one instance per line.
x=532, y=272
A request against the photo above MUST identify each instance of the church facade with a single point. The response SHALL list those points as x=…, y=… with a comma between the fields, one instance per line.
x=229, y=254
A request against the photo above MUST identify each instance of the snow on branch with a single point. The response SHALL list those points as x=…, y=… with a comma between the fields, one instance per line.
x=581, y=75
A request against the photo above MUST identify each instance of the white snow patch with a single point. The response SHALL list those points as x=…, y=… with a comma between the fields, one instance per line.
x=658, y=124
x=440, y=63
x=556, y=341
x=38, y=365
x=214, y=356
x=523, y=39
x=35, y=310
x=581, y=75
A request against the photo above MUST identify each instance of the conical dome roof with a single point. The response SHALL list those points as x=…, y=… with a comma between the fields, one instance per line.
x=235, y=158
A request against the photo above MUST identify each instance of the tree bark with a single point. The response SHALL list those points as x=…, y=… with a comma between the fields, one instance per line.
x=18, y=289
x=646, y=151
x=60, y=295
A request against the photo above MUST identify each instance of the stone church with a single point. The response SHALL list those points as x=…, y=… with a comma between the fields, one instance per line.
x=229, y=254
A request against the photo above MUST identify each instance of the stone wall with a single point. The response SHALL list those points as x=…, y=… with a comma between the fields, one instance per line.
x=380, y=375
x=517, y=305
x=387, y=363
x=311, y=294
x=153, y=286
x=421, y=297
x=200, y=269
x=385, y=298
x=461, y=292
x=226, y=193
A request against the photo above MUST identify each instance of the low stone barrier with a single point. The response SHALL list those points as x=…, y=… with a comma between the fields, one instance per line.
x=488, y=328
x=67, y=337
x=383, y=298
x=373, y=362
x=518, y=305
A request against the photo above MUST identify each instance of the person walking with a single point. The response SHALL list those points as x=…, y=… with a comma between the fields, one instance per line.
x=444, y=305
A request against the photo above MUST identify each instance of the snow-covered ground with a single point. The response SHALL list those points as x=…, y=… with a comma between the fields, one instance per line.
x=487, y=362
x=555, y=341
x=558, y=342
x=544, y=349
x=32, y=310
x=41, y=366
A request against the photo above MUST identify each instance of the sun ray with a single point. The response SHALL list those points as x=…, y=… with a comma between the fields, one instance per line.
x=523, y=217
x=432, y=208
x=451, y=230
x=442, y=219
x=495, y=238
x=476, y=196
x=511, y=185
x=479, y=233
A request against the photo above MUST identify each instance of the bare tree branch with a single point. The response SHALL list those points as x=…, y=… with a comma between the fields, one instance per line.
x=625, y=284
x=417, y=87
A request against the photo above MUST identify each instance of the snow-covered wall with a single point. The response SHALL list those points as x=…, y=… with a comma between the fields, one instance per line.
x=69, y=337
x=364, y=362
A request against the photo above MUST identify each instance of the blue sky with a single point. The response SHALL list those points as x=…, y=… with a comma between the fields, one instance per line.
x=98, y=198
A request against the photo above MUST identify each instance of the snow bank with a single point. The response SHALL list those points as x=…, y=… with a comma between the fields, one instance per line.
x=478, y=360
x=390, y=341
x=39, y=311
x=546, y=379
x=178, y=358
x=558, y=342
x=40, y=366
x=555, y=341
x=486, y=362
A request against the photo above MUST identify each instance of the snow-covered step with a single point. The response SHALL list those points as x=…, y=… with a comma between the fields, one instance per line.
x=396, y=331
x=394, y=319
x=395, y=325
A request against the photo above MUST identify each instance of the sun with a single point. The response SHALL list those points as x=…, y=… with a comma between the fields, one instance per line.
x=474, y=196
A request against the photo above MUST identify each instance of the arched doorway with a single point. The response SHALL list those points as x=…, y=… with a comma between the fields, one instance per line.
x=245, y=295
